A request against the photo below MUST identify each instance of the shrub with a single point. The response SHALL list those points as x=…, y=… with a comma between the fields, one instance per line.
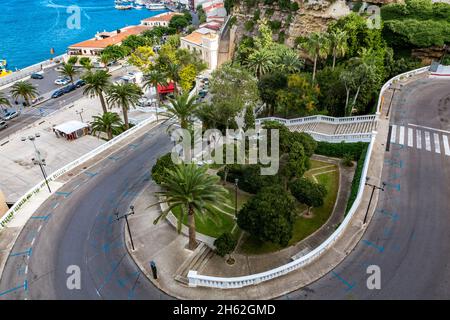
x=159, y=169
x=339, y=150
x=347, y=160
x=72, y=60
x=225, y=244
x=357, y=178
x=269, y=216
x=248, y=25
x=307, y=192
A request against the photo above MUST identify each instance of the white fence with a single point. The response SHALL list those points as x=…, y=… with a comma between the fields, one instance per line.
x=238, y=282
x=41, y=185
x=319, y=118
x=25, y=72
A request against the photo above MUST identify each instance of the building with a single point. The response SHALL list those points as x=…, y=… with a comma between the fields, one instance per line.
x=94, y=46
x=205, y=42
x=160, y=20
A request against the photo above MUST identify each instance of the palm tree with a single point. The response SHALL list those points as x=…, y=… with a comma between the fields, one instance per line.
x=124, y=96
x=96, y=84
x=190, y=188
x=260, y=62
x=108, y=122
x=69, y=70
x=290, y=63
x=154, y=79
x=338, y=44
x=173, y=73
x=4, y=102
x=25, y=90
x=317, y=46
x=183, y=108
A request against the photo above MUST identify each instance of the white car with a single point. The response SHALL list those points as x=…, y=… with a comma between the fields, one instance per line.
x=62, y=81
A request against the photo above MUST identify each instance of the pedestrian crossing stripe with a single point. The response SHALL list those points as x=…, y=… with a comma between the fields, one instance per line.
x=434, y=141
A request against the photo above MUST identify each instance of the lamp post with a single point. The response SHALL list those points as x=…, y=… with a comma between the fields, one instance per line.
x=371, y=195
x=41, y=164
x=236, y=181
x=126, y=220
x=79, y=113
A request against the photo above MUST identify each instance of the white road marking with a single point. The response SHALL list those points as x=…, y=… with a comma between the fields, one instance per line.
x=446, y=147
x=32, y=241
x=394, y=133
x=410, y=137
x=419, y=139
x=26, y=269
x=39, y=229
x=429, y=128
x=401, y=138
x=427, y=141
x=437, y=146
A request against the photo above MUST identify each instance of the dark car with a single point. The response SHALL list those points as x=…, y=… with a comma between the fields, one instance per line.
x=37, y=76
x=57, y=94
x=3, y=125
x=69, y=88
x=79, y=83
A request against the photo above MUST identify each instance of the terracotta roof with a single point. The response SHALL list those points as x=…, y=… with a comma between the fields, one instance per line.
x=163, y=17
x=213, y=6
x=116, y=38
x=194, y=37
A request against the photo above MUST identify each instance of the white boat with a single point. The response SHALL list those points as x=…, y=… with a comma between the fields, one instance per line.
x=138, y=7
x=128, y=7
x=156, y=6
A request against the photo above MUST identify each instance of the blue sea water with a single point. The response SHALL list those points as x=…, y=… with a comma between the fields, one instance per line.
x=30, y=28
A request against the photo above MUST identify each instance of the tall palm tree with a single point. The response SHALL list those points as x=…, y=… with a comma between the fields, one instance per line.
x=290, y=63
x=154, y=79
x=69, y=70
x=25, y=90
x=96, y=84
x=260, y=62
x=173, y=73
x=317, y=47
x=183, y=108
x=124, y=96
x=194, y=191
x=4, y=102
x=108, y=122
x=338, y=44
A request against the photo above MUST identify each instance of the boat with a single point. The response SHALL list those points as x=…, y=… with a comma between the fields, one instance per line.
x=155, y=6
x=138, y=7
x=125, y=7
x=3, y=71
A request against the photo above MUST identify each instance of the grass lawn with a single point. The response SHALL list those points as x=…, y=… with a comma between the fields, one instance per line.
x=324, y=173
x=225, y=216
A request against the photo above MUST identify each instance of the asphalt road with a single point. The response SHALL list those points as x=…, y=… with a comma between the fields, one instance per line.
x=408, y=237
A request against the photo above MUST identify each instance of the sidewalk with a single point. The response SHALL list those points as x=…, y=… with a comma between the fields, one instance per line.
x=161, y=243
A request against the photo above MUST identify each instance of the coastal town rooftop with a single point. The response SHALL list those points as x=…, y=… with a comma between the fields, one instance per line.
x=163, y=17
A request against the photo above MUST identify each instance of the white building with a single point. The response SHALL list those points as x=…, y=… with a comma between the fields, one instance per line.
x=205, y=42
x=161, y=20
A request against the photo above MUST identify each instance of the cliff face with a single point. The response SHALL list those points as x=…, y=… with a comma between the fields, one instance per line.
x=312, y=16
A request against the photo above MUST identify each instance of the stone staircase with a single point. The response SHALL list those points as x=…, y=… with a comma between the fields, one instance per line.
x=196, y=262
x=331, y=129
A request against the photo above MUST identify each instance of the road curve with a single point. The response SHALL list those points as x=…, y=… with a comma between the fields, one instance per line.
x=408, y=237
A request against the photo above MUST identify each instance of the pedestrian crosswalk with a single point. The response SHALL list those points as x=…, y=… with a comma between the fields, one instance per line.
x=435, y=141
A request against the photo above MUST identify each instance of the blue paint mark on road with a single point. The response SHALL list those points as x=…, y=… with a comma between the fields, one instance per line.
x=395, y=176
x=395, y=186
x=371, y=244
x=115, y=266
x=45, y=218
x=90, y=174
x=55, y=205
x=114, y=158
x=28, y=253
x=65, y=194
x=24, y=285
x=134, y=145
x=387, y=232
x=392, y=163
x=389, y=214
x=21, y=270
x=349, y=286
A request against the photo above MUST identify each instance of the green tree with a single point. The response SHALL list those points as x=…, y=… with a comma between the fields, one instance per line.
x=183, y=108
x=300, y=98
x=142, y=58
x=154, y=79
x=293, y=164
x=317, y=47
x=160, y=171
x=338, y=44
x=225, y=244
x=260, y=62
x=307, y=192
x=187, y=76
x=4, y=102
x=96, y=84
x=24, y=90
x=178, y=22
x=268, y=86
x=269, y=216
x=195, y=191
x=249, y=118
x=73, y=60
x=86, y=63
x=68, y=70
x=124, y=96
x=108, y=122
x=289, y=62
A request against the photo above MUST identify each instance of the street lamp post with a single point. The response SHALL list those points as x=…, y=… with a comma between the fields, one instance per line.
x=126, y=220
x=79, y=113
x=236, y=181
x=41, y=164
x=371, y=195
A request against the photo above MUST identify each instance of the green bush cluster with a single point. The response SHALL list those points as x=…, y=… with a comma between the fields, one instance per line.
x=357, y=178
x=159, y=170
x=225, y=244
x=340, y=150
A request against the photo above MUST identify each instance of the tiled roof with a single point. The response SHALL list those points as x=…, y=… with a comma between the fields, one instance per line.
x=116, y=38
x=162, y=17
x=194, y=37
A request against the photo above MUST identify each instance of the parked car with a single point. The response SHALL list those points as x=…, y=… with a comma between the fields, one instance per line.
x=57, y=94
x=10, y=115
x=79, y=83
x=62, y=81
x=68, y=88
x=3, y=125
x=37, y=76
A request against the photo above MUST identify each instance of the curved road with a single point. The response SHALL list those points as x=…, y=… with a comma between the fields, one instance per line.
x=408, y=238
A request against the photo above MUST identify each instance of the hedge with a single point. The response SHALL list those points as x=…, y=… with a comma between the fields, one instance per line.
x=339, y=150
x=357, y=177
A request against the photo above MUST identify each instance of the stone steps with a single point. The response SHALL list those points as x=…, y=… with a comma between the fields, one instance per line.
x=197, y=260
